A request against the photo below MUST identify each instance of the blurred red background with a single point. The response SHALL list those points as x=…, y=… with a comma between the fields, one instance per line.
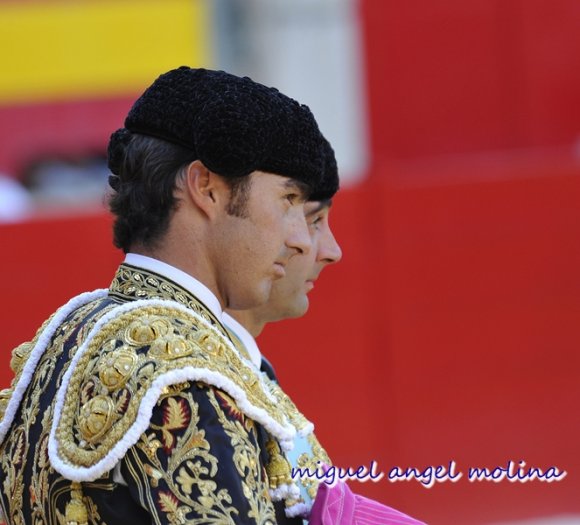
x=450, y=330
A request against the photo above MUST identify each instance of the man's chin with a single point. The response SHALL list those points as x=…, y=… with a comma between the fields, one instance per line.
x=254, y=299
x=299, y=308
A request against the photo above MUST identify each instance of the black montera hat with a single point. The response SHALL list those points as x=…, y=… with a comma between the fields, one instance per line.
x=328, y=185
x=235, y=126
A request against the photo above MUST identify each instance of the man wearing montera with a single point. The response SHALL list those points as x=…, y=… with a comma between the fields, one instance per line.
x=288, y=299
x=132, y=404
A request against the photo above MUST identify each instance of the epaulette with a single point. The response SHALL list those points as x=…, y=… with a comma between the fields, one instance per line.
x=25, y=357
x=116, y=377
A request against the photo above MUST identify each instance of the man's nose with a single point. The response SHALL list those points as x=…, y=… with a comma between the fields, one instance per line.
x=299, y=236
x=330, y=251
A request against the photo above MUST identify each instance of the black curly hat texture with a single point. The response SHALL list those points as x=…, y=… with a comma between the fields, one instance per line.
x=329, y=183
x=234, y=126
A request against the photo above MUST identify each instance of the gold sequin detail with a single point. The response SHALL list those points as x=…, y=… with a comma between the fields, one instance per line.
x=96, y=418
x=96, y=415
x=115, y=371
x=312, y=462
x=132, y=283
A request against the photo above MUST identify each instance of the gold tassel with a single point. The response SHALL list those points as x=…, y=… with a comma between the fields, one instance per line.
x=277, y=468
x=5, y=396
x=76, y=512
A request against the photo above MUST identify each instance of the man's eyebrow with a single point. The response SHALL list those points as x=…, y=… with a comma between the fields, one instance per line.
x=299, y=186
x=327, y=203
x=315, y=210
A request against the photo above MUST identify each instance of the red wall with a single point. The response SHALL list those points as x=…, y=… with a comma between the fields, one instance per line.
x=454, y=76
x=449, y=331
x=72, y=129
x=44, y=262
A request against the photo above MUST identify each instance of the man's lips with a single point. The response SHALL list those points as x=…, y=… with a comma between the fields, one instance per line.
x=310, y=282
x=279, y=269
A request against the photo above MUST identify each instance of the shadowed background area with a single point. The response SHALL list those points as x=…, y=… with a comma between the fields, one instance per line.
x=450, y=329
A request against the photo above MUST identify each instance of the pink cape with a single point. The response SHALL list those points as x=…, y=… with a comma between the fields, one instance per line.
x=337, y=505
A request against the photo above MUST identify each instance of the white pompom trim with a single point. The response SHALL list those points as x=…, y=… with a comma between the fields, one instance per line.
x=298, y=509
x=306, y=430
x=285, y=491
x=39, y=348
x=284, y=433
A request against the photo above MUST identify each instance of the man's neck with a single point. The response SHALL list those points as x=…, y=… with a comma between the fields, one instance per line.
x=187, y=281
x=249, y=321
x=195, y=268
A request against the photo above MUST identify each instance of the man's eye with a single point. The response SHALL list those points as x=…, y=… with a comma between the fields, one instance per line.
x=316, y=222
x=292, y=197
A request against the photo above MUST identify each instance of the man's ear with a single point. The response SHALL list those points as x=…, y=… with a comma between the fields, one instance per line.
x=206, y=189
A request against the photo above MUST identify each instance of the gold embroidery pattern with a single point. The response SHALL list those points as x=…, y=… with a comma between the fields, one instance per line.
x=124, y=364
x=242, y=433
x=13, y=458
x=298, y=421
x=178, y=469
x=278, y=467
x=318, y=452
x=76, y=511
x=312, y=462
x=14, y=451
x=132, y=283
x=135, y=283
x=19, y=357
x=148, y=341
x=39, y=488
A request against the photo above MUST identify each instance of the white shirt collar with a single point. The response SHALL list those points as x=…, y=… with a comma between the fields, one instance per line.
x=186, y=281
x=245, y=337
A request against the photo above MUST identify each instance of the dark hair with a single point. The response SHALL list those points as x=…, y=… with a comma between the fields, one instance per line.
x=145, y=171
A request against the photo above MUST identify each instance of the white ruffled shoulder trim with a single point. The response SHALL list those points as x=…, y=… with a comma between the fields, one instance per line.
x=298, y=509
x=285, y=433
x=285, y=491
x=39, y=348
x=307, y=430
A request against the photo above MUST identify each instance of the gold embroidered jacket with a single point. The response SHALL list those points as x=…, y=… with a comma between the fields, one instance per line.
x=131, y=405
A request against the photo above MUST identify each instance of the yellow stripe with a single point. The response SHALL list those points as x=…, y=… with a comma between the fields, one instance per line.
x=78, y=49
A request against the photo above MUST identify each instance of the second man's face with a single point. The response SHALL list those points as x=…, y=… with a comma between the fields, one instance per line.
x=256, y=249
x=289, y=295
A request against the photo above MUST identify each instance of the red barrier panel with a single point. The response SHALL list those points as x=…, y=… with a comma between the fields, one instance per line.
x=454, y=76
x=44, y=262
x=449, y=331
